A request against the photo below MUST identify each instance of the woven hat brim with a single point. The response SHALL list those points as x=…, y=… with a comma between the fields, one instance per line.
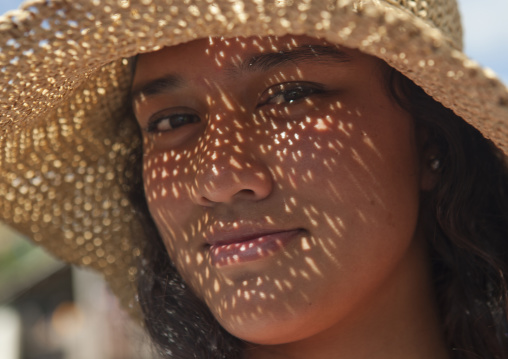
x=65, y=82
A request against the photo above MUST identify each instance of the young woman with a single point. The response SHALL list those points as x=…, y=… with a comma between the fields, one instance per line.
x=299, y=196
x=319, y=215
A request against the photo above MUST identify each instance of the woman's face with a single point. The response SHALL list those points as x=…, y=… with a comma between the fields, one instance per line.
x=283, y=179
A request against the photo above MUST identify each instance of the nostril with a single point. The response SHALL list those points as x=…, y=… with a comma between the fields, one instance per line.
x=246, y=193
x=205, y=201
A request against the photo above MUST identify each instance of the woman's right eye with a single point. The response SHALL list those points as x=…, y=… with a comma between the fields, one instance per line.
x=167, y=123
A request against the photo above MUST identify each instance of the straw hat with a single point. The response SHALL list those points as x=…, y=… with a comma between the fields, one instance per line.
x=65, y=79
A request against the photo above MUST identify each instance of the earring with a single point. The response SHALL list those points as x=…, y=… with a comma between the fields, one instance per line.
x=434, y=163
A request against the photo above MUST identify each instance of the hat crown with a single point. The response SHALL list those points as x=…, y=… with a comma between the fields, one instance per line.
x=442, y=14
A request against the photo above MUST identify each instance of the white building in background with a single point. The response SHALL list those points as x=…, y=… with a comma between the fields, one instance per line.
x=10, y=334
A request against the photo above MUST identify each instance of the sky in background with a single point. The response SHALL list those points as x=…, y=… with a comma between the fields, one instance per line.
x=485, y=24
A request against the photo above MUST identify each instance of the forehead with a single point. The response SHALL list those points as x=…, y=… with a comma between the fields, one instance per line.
x=240, y=46
x=230, y=54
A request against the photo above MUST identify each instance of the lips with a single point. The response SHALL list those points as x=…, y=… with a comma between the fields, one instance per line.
x=236, y=248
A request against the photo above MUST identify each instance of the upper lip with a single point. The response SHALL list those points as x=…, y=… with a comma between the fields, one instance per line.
x=225, y=235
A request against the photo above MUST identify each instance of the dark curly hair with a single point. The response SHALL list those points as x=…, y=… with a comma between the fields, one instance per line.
x=466, y=222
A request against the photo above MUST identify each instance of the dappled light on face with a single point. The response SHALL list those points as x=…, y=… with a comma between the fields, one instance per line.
x=274, y=169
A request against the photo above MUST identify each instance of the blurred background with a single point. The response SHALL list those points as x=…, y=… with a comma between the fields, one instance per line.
x=51, y=311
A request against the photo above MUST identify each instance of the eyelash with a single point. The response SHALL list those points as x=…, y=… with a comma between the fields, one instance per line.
x=155, y=123
x=303, y=90
x=297, y=91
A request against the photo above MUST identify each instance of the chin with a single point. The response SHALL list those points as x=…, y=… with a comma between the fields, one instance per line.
x=272, y=326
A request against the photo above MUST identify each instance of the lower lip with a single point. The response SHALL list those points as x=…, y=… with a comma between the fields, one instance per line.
x=251, y=250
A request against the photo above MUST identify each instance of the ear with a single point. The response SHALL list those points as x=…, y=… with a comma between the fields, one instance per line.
x=430, y=166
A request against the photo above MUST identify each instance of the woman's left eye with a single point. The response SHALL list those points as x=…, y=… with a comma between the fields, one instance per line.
x=288, y=93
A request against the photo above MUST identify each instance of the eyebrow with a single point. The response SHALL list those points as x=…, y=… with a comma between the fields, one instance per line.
x=304, y=53
x=255, y=63
x=162, y=84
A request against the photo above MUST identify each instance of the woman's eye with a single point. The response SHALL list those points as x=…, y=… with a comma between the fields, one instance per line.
x=170, y=122
x=288, y=93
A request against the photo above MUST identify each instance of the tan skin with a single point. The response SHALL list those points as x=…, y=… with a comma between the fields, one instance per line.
x=308, y=144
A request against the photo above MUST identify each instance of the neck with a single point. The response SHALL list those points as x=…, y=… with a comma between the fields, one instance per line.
x=400, y=321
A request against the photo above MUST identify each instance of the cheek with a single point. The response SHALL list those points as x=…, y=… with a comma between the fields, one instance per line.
x=167, y=193
x=357, y=181
x=170, y=213
x=348, y=156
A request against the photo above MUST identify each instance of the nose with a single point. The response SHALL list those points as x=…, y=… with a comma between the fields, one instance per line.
x=228, y=171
